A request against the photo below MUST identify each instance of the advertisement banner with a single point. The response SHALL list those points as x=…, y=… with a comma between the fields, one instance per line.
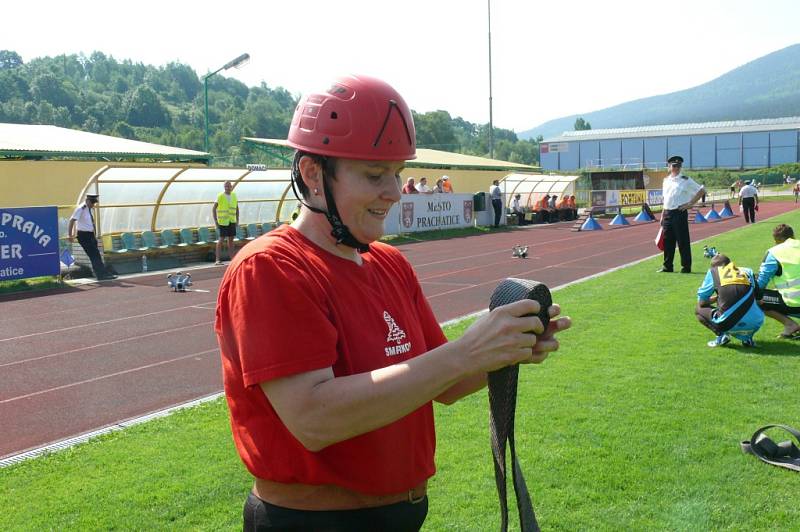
x=28, y=242
x=632, y=197
x=654, y=197
x=598, y=198
x=612, y=198
x=426, y=212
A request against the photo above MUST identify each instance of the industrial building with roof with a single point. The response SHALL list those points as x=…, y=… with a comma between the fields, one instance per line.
x=735, y=144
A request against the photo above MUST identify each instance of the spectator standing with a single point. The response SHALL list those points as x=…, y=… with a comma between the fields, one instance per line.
x=497, y=201
x=796, y=191
x=447, y=185
x=81, y=225
x=226, y=216
x=737, y=313
x=748, y=201
x=680, y=193
x=331, y=355
x=780, y=270
x=409, y=187
x=423, y=187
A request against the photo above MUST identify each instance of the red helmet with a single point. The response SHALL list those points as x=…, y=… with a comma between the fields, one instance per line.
x=358, y=117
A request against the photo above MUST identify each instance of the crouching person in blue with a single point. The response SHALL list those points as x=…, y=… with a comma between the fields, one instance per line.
x=737, y=314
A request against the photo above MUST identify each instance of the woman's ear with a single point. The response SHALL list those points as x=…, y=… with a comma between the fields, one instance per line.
x=311, y=172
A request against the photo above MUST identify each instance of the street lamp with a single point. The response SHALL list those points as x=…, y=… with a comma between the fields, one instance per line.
x=235, y=63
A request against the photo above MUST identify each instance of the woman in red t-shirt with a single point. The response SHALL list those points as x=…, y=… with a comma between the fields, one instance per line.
x=331, y=354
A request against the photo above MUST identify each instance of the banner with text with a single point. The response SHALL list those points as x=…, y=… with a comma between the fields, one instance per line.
x=632, y=197
x=655, y=197
x=28, y=242
x=427, y=212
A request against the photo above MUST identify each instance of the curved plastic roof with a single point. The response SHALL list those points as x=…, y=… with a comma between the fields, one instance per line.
x=151, y=199
x=531, y=187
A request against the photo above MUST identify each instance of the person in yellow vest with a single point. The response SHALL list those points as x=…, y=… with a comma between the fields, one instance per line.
x=781, y=268
x=226, y=216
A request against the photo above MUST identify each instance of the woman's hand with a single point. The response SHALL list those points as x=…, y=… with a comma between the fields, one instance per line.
x=508, y=335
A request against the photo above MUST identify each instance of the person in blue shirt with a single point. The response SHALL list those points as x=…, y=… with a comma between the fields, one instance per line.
x=736, y=313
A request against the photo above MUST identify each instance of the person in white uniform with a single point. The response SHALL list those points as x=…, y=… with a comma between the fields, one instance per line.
x=748, y=202
x=81, y=226
x=680, y=194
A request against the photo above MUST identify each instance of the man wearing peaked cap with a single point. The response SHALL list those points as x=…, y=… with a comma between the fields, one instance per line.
x=83, y=220
x=680, y=193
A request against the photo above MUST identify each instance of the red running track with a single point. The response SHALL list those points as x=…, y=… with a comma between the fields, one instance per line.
x=78, y=359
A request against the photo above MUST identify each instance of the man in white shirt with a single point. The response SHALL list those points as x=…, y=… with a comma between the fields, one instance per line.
x=497, y=201
x=748, y=202
x=680, y=193
x=83, y=220
x=516, y=208
x=423, y=187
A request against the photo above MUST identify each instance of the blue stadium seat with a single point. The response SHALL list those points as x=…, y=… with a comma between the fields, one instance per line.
x=253, y=231
x=168, y=238
x=149, y=240
x=187, y=236
x=206, y=235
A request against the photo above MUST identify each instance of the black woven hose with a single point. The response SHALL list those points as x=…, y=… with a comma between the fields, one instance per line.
x=503, y=404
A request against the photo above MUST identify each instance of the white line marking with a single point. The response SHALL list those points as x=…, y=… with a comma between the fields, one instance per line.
x=94, y=323
x=110, y=375
x=122, y=340
x=69, y=442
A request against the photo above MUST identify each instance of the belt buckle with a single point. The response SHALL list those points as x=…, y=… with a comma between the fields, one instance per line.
x=414, y=500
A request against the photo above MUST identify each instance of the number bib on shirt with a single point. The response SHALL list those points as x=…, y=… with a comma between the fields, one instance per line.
x=730, y=274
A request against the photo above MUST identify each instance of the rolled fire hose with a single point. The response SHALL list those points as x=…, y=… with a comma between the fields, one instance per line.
x=503, y=404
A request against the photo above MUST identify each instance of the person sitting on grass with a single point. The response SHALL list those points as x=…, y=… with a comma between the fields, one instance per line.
x=781, y=268
x=737, y=313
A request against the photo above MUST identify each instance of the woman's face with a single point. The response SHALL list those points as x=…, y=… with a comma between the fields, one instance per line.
x=364, y=193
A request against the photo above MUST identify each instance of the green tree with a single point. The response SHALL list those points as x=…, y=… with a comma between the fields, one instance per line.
x=49, y=88
x=145, y=109
x=582, y=125
x=9, y=60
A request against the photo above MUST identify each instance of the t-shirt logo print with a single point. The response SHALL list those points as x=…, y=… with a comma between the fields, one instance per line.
x=396, y=336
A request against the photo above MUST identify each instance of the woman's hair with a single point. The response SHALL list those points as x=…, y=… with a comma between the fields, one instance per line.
x=328, y=165
x=782, y=232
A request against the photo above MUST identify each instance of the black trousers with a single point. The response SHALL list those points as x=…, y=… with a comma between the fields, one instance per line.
x=676, y=231
x=88, y=242
x=749, y=208
x=261, y=516
x=497, y=205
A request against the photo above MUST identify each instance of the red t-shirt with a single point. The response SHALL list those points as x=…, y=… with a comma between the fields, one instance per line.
x=285, y=307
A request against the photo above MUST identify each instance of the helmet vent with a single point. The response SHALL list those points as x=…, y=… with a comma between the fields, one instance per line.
x=334, y=116
x=326, y=140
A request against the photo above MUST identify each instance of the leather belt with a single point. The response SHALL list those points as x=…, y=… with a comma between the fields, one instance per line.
x=329, y=496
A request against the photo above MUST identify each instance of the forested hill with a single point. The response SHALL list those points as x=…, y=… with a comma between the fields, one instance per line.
x=164, y=105
x=768, y=87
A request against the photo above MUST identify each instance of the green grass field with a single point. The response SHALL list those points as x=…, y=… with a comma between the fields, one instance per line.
x=633, y=425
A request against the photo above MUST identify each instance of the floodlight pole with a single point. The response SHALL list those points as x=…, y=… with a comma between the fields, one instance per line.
x=235, y=63
x=491, y=127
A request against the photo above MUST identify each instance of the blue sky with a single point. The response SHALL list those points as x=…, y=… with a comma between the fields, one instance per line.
x=549, y=59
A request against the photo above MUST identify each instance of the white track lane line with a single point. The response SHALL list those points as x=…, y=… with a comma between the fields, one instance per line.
x=110, y=375
x=84, y=325
x=120, y=341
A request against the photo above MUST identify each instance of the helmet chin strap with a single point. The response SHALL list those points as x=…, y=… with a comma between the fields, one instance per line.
x=340, y=232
